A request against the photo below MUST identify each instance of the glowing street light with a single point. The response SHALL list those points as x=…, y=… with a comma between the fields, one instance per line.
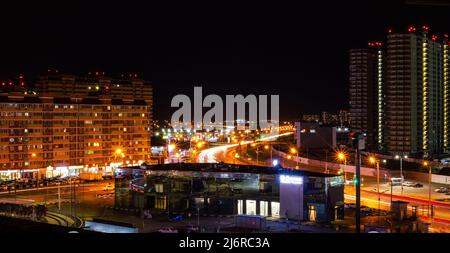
x=342, y=157
x=172, y=147
x=426, y=164
x=401, y=157
x=275, y=163
x=373, y=160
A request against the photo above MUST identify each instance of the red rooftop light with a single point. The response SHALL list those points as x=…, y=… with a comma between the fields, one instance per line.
x=411, y=29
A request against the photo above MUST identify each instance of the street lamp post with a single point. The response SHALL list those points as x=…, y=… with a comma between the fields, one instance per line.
x=377, y=162
x=401, y=169
x=429, y=186
x=343, y=157
x=295, y=151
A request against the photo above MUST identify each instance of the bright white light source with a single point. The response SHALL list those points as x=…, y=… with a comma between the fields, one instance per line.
x=284, y=179
x=275, y=162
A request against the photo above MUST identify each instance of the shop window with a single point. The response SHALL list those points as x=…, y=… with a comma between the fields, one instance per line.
x=275, y=206
x=312, y=213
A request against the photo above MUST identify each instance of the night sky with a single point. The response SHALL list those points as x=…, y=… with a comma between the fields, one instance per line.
x=297, y=51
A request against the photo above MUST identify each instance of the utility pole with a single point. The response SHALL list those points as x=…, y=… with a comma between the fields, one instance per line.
x=358, y=191
x=59, y=198
x=358, y=144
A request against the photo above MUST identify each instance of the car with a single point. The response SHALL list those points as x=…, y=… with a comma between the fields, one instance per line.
x=408, y=184
x=441, y=190
x=170, y=230
x=176, y=217
x=396, y=181
x=417, y=185
x=108, y=187
x=4, y=187
x=365, y=209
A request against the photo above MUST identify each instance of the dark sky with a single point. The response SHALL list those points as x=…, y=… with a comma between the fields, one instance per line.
x=297, y=51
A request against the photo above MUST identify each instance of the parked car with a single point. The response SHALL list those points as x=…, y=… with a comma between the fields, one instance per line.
x=417, y=185
x=396, y=181
x=408, y=184
x=170, y=230
x=441, y=190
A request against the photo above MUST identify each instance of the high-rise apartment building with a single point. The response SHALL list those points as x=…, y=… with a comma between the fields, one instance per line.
x=72, y=124
x=416, y=93
x=366, y=77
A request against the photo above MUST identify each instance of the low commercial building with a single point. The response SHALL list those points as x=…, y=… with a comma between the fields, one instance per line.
x=224, y=189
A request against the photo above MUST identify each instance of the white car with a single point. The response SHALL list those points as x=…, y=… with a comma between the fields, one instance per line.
x=408, y=184
x=168, y=230
x=441, y=190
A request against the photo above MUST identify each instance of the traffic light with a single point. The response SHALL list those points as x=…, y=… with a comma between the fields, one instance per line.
x=355, y=181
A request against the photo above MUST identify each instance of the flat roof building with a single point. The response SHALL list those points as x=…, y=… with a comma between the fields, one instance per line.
x=225, y=189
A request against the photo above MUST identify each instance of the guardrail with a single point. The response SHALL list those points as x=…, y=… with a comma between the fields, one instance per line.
x=366, y=171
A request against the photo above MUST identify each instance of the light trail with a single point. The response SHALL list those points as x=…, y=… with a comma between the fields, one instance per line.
x=209, y=155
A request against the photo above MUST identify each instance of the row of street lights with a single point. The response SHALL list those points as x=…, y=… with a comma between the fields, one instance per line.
x=373, y=160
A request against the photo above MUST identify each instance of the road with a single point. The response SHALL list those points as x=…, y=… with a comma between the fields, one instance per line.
x=369, y=196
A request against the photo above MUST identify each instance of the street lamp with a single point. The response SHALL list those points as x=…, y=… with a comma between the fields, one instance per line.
x=342, y=157
x=295, y=151
x=401, y=157
x=426, y=164
x=236, y=156
x=373, y=160
x=266, y=147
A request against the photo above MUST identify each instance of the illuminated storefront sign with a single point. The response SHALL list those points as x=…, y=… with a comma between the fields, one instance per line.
x=285, y=179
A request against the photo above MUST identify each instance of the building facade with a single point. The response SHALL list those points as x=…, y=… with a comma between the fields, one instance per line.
x=225, y=189
x=416, y=100
x=54, y=134
x=366, y=77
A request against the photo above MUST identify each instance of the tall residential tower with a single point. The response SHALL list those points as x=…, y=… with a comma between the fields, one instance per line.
x=366, y=93
x=415, y=93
